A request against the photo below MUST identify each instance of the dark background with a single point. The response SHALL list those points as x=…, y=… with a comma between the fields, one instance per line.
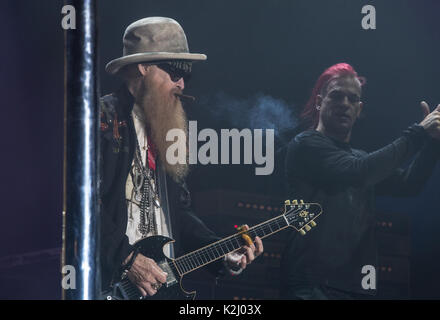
x=271, y=48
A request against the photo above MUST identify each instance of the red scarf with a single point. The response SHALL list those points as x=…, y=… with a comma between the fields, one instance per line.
x=151, y=155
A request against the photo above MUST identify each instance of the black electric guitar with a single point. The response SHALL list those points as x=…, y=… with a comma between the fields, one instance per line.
x=300, y=216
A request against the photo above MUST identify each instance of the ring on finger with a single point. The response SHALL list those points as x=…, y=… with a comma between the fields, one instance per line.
x=156, y=286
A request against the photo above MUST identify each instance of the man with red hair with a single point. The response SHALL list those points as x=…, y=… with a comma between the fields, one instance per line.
x=322, y=167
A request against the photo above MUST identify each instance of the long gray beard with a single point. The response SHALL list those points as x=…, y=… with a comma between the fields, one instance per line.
x=162, y=113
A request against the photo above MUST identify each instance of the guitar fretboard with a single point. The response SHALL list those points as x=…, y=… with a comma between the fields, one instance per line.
x=219, y=249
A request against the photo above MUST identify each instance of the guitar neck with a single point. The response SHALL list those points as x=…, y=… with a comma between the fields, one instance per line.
x=219, y=249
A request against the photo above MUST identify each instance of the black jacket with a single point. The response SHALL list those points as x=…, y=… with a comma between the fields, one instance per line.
x=117, y=147
x=345, y=181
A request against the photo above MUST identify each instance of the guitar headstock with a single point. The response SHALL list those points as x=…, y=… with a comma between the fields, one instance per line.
x=300, y=215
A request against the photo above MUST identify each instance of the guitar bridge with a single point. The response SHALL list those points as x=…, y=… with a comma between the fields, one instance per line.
x=171, y=278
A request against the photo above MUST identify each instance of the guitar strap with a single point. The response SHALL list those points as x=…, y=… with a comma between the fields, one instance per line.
x=163, y=196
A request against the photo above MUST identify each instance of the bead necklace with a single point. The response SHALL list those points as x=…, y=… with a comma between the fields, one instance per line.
x=145, y=193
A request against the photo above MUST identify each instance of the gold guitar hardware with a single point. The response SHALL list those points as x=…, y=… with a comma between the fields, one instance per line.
x=303, y=214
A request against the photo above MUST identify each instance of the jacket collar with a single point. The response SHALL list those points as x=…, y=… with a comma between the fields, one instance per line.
x=126, y=100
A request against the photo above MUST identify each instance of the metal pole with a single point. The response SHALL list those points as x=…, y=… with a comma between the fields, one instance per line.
x=80, y=215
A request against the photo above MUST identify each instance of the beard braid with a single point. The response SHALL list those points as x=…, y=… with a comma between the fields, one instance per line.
x=163, y=112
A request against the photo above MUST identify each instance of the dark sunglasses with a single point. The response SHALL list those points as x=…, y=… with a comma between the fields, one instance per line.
x=175, y=73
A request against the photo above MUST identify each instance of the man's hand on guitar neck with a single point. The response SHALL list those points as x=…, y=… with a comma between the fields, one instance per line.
x=146, y=275
x=244, y=256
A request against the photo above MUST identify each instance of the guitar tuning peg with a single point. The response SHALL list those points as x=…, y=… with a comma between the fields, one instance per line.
x=301, y=202
x=313, y=223
x=287, y=202
x=308, y=227
x=295, y=202
x=303, y=233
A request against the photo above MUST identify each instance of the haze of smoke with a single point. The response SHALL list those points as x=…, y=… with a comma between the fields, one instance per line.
x=257, y=112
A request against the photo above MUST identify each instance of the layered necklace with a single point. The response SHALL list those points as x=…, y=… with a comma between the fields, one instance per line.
x=145, y=193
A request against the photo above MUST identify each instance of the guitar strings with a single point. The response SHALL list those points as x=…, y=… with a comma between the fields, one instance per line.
x=199, y=255
x=196, y=259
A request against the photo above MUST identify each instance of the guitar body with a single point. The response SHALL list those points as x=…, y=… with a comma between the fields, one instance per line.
x=152, y=247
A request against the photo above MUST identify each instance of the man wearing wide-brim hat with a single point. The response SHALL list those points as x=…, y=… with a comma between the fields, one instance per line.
x=141, y=193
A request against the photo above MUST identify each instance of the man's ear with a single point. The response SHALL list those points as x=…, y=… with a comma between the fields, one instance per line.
x=361, y=106
x=318, y=102
x=143, y=69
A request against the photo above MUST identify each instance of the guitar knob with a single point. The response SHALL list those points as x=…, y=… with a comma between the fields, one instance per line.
x=308, y=227
x=313, y=223
x=287, y=202
x=303, y=233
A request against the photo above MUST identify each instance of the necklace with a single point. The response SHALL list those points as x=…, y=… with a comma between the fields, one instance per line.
x=145, y=193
